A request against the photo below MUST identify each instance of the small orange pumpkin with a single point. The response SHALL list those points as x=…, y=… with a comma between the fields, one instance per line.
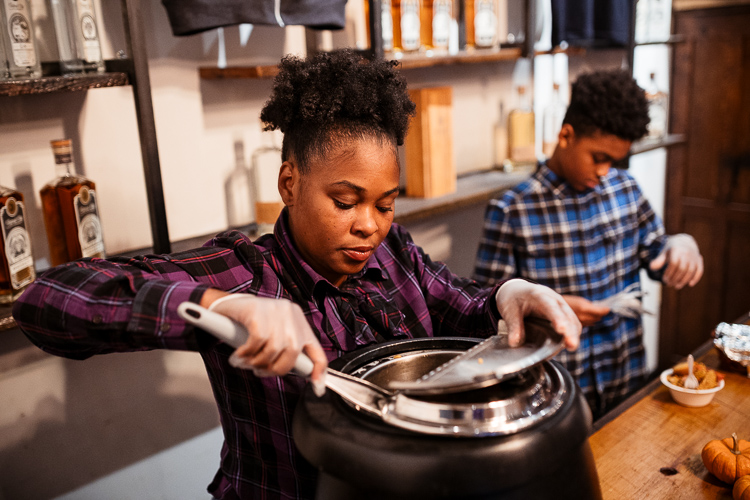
x=728, y=459
x=741, y=490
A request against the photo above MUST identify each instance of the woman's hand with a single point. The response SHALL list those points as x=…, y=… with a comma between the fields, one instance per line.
x=279, y=332
x=587, y=312
x=519, y=298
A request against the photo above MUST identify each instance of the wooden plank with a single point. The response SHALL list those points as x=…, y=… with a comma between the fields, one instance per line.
x=50, y=84
x=234, y=72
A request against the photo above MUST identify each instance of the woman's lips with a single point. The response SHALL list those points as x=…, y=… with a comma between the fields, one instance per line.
x=359, y=254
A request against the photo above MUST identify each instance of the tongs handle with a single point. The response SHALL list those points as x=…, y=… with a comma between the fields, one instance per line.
x=230, y=331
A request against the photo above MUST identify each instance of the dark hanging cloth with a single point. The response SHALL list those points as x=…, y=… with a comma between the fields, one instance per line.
x=590, y=23
x=188, y=17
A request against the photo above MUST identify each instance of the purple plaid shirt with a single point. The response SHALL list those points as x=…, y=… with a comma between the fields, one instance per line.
x=97, y=306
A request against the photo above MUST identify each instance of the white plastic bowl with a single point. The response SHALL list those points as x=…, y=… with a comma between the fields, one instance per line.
x=689, y=397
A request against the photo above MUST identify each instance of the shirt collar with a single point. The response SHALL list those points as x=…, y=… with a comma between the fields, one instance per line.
x=560, y=187
x=301, y=272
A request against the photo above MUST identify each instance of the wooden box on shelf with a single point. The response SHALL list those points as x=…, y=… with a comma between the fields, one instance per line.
x=430, y=168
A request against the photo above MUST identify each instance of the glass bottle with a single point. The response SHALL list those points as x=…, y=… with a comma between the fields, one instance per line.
x=71, y=213
x=77, y=32
x=17, y=29
x=657, y=109
x=481, y=23
x=501, y=140
x=266, y=160
x=406, y=26
x=521, y=141
x=16, y=262
x=554, y=113
x=386, y=21
x=437, y=16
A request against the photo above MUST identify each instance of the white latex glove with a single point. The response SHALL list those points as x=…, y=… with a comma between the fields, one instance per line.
x=683, y=259
x=626, y=303
x=518, y=298
x=278, y=331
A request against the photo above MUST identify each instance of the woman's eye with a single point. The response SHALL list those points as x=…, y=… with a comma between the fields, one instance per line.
x=342, y=206
x=385, y=209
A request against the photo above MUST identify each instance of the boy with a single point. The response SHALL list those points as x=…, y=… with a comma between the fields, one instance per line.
x=585, y=230
x=335, y=276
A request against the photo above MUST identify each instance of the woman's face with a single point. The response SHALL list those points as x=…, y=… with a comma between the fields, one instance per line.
x=342, y=208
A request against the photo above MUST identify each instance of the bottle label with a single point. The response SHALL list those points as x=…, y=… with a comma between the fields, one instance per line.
x=441, y=23
x=89, y=32
x=410, y=25
x=17, y=244
x=485, y=23
x=386, y=20
x=21, y=36
x=89, y=226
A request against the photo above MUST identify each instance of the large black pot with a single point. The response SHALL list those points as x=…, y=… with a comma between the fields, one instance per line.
x=361, y=457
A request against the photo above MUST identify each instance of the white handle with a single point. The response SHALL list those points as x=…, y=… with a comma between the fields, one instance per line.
x=230, y=331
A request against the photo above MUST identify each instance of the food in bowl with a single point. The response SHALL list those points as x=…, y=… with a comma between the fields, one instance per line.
x=707, y=378
x=691, y=397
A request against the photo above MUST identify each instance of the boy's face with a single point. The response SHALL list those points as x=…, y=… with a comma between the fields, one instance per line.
x=583, y=160
x=342, y=208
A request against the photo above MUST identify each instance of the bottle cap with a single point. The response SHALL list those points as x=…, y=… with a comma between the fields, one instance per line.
x=63, y=150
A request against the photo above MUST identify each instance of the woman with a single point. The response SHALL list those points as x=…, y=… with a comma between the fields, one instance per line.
x=335, y=276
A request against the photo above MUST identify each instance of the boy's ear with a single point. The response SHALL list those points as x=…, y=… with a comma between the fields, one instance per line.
x=288, y=180
x=566, y=136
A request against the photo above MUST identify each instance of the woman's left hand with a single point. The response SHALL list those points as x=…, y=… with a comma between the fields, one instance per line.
x=519, y=298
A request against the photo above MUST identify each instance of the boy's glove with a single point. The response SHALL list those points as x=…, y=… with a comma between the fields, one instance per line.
x=683, y=260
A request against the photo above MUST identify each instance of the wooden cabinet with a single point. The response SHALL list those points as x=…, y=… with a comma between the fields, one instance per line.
x=708, y=177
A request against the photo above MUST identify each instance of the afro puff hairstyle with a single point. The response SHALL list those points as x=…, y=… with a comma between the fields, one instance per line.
x=610, y=102
x=323, y=102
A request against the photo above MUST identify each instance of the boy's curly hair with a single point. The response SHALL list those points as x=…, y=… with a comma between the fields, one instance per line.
x=610, y=102
x=321, y=102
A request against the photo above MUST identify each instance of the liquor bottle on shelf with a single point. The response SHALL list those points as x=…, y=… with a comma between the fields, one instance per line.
x=386, y=22
x=17, y=30
x=501, y=141
x=436, y=21
x=16, y=261
x=658, y=102
x=554, y=113
x=77, y=32
x=406, y=30
x=481, y=23
x=71, y=212
x=266, y=160
x=521, y=141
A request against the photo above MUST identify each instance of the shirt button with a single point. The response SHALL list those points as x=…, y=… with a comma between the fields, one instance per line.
x=97, y=319
x=165, y=327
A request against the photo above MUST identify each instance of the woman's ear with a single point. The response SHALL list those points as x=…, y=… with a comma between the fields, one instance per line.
x=288, y=181
x=566, y=136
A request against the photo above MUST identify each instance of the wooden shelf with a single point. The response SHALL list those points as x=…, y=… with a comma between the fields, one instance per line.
x=650, y=144
x=669, y=41
x=49, y=84
x=471, y=189
x=406, y=62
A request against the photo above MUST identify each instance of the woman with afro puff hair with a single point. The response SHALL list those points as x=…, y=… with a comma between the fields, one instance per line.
x=336, y=275
x=585, y=230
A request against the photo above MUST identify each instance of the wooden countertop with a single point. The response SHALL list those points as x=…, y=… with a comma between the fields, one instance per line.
x=652, y=448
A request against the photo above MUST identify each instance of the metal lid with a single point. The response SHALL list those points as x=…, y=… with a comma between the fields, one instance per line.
x=489, y=362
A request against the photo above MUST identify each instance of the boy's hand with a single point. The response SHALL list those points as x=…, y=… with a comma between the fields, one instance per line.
x=518, y=298
x=587, y=312
x=683, y=259
x=279, y=332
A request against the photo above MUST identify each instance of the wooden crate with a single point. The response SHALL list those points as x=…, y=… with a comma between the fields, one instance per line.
x=430, y=167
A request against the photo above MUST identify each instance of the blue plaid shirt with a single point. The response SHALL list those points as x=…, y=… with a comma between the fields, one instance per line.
x=590, y=244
